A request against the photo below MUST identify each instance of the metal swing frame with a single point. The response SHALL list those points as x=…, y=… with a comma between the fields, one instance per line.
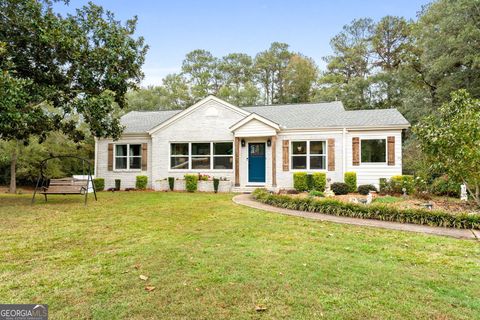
x=44, y=183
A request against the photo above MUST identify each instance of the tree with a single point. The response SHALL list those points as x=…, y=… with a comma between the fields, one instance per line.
x=57, y=69
x=200, y=68
x=451, y=140
x=300, y=76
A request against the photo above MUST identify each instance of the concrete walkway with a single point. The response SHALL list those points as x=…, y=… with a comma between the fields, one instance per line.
x=247, y=200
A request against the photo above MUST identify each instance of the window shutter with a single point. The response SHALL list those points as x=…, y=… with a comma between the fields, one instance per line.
x=331, y=154
x=144, y=156
x=110, y=157
x=391, y=151
x=356, y=151
x=286, y=155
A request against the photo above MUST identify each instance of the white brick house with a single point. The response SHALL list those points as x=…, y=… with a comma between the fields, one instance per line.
x=253, y=146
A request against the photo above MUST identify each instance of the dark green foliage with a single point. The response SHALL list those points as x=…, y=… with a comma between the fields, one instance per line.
x=191, y=182
x=300, y=181
x=118, y=183
x=350, y=179
x=364, y=189
x=319, y=181
x=171, y=183
x=315, y=193
x=99, y=184
x=339, y=188
x=445, y=186
x=373, y=211
x=141, y=182
x=397, y=183
x=309, y=181
x=216, y=182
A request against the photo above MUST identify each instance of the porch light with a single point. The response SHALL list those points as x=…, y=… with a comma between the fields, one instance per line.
x=243, y=143
x=269, y=142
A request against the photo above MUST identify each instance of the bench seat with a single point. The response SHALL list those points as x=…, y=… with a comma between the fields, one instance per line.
x=65, y=186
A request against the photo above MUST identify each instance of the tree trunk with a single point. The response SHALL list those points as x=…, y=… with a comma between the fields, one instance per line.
x=13, y=170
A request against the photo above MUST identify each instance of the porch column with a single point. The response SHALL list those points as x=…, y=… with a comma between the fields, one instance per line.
x=274, y=161
x=237, y=162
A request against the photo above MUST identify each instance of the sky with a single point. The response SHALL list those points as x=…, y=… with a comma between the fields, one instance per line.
x=174, y=28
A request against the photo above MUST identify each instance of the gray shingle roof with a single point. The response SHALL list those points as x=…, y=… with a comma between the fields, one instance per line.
x=291, y=116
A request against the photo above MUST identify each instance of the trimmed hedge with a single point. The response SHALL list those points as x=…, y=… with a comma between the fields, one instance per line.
x=372, y=211
x=216, y=182
x=365, y=189
x=350, y=178
x=191, y=182
x=118, y=183
x=171, y=183
x=141, y=182
x=300, y=181
x=99, y=184
x=339, y=188
x=319, y=181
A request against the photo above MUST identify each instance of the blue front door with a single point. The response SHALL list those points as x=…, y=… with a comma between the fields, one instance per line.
x=256, y=162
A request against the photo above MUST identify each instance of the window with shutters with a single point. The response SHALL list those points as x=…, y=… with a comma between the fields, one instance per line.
x=201, y=156
x=373, y=150
x=128, y=157
x=309, y=155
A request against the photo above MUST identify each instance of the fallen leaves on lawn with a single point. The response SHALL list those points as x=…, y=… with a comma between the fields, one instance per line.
x=260, y=308
x=137, y=266
x=149, y=288
x=144, y=278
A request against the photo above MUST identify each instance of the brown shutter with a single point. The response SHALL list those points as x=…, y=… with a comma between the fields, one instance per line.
x=356, y=151
x=110, y=156
x=286, y=155
x=144, y=156
x=331, y=154
x=391, y=151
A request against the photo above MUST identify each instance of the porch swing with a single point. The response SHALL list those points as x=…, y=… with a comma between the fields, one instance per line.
x=64, y=186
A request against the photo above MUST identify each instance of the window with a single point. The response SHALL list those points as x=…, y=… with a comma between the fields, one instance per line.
x=201, y=156
x=309, y=155
x=128, y=156
x=374, y=150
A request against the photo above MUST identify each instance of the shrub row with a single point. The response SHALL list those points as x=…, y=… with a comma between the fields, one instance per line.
x=397, y=183
x=303, y=181
x=373, y=211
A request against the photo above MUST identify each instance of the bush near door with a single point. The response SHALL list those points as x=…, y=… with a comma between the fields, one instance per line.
x=300, y=181
x=319, y=181
x=141, y=182
x=350, y=179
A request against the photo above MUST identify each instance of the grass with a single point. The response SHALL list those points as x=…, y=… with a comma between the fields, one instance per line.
x=209, y=258
x=388, y=199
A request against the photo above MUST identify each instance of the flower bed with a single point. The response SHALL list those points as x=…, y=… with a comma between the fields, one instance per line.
x=372, y=211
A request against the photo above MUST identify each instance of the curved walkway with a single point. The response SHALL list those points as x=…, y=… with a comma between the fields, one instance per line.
x=247, y=200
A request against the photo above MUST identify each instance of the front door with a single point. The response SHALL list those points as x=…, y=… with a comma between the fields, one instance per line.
x=256, y=162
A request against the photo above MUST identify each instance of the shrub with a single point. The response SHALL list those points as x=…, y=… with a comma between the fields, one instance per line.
x=118, y=182
x=319, y=181
x=444, y=186
x=339, y=188
x=397, y=183
x=315, y=193
x=191, y=181
x=309, y=181
x=384, y=185
x=300, y=181
x=366, y=188
x=350, y=179
x=373, y=211
x=216, y=182
x=171, y=183
x=141, y=182
x=99, y=184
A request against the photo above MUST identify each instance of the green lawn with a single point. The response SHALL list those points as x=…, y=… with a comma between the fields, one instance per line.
x=211, y=259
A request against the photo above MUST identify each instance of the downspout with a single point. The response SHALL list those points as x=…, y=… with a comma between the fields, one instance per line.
x=344, y=151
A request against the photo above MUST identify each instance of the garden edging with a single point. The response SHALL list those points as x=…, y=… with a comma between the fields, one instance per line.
x=247, y=200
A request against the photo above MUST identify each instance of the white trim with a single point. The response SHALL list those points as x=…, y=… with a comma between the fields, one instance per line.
x=190, y=156
x=192, y=108
x=308, y=155
x=127, y=157
x=256, y=183
x=373, y=164
x=339, y=128
x=254, y=116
